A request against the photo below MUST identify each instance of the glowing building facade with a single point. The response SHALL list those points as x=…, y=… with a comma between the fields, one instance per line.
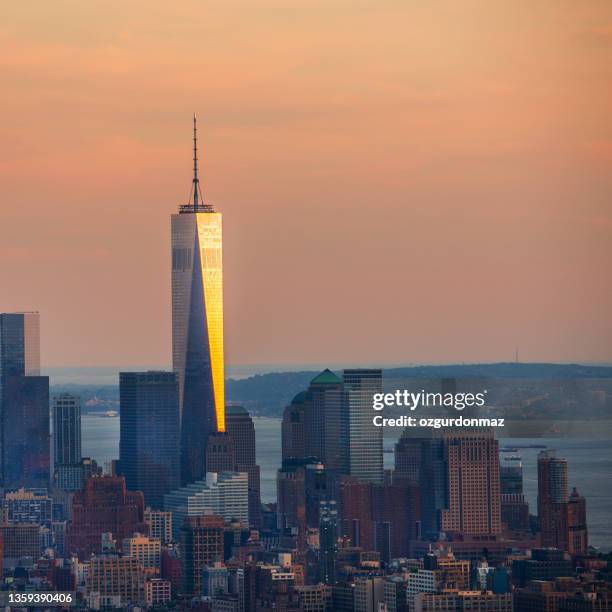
x=197, y=326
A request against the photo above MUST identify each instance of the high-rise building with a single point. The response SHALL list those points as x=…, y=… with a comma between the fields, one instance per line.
x=197, y=325
x=361, y=439
x=396, y=514
x=224, y=494
x=459, y=482
x=578, y=540
x=66, y=414
x=328, y=541
x=104, y=505
x=408, y=458
x=220, y=454
x=26, y=447
x=149, y=437
x=356, y=512
x=201, y=541
x=20, y=540
x=24, y=404
x=292, y=429
x=552, y=500
x=19, y=344
x=239, y=426
x=322, y=421
x=513, y=506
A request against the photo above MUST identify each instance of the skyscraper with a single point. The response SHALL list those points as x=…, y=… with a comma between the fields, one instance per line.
x=363, y=441
x=459, y=482
x=552, y=500
x=149, y=435
x=68, y=470
x=201, y=539
x=104, y=505
x=24, y=403
x=472, y=473
x=578, y=540
x=292, y=429
x=197, y=324
x=240, y=426
x=322, y=420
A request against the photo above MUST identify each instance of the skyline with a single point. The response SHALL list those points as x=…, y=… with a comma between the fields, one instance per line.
x=464, y=194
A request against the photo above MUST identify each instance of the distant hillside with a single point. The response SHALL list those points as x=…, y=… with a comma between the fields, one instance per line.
x=268, y=394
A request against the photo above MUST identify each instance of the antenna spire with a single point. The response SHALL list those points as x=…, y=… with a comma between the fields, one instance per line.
x=197, y=192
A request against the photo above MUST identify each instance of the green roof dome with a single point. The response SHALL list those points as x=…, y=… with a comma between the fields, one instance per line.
x=326, y=377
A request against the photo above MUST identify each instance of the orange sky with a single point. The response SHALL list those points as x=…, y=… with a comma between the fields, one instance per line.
x=401, y=180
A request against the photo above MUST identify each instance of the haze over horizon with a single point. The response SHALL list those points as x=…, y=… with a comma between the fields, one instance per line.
x=399, y=183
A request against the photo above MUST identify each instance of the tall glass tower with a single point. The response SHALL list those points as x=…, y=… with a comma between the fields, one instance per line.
x=197, y=324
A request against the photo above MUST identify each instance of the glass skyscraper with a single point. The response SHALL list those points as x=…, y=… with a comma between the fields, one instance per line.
x=149, y=436
x=197, y=325
x=66, y=411
x=24, y=403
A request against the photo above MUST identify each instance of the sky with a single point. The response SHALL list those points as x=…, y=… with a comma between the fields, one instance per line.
x=401, y=181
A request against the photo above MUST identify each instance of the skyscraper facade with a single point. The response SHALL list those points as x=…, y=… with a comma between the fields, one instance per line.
x=197, y=326
x=323, y=421
x=104, y=505
x=149, y=433
x=66, y=414
x=459, y=482
x=362, y=440
x=472, y=467
x=552, y=500
x=24, y=403
x=240, y=427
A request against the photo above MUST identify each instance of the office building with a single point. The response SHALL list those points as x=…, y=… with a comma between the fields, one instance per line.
x=104, y=505
x=328, y=541
x=24, y=404
x=115, y=581
x=292, y=429
x=28, y=506
x=459, y=482
x=160, y=524
x=552, y=500
x=20, y=540
x=323, y=422
x=220, y=454
x=66, y=415
x=26, y=446
x=463, y=601
x=150, y=434
x=225, y=495
x=201, y=543
x=544, y=564
x=146, y=549
x=578, y=539
x=239, y=425
x=361, y=439
x=197, y=325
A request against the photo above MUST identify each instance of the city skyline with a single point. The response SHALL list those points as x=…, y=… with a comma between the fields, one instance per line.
x=433, y=175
